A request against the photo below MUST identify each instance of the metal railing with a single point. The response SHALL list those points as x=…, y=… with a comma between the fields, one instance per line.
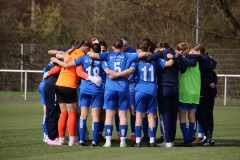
x=39, y=71
x=25, y=79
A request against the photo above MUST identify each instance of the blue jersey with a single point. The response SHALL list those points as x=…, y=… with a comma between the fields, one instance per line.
x=95, y=70
x=146, y=76
x=130, y=49
x=132, y=76
x=53, y=78
x=118, y=61
x=44, y=71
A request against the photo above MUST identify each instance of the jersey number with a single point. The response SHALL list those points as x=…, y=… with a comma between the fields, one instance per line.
x=144, y=69
x=117, y=66
x=95, y=71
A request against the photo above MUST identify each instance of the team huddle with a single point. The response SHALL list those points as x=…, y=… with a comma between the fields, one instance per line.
x=149, y=80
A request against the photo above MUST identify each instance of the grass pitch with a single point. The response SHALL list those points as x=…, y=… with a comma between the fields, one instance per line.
x=21, y=138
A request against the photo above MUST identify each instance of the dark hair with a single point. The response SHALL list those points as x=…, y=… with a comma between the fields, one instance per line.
x=150, y=43
x=96, y=48
x=118, y=44
x=81, y=43
x=184, y=47
x=138, y=46
x=103, y=43
x=162, y=45
x=199, y=47
x=124, y=38
x=144, y=45
x=74, y=43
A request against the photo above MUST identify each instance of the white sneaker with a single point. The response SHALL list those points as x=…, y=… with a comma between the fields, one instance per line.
x=164, y=144
x=123, y=145
x=63, y=142
x=73, y=143
x=45, y=140
x=107, y=145
x=169, y=144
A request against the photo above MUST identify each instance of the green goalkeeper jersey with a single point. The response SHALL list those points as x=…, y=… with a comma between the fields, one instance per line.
x=189, y=85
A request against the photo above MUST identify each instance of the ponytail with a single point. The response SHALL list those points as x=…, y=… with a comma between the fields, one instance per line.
x=78, y=45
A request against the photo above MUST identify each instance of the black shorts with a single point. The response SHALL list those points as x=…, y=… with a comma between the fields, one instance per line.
x=66, y=94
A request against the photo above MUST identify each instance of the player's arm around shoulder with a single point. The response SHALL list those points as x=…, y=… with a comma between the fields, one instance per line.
x=63, y=64
x=169, y=63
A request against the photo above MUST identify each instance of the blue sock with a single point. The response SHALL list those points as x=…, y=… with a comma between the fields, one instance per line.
x=184, y=129
x=101, y=126
x=95, y=131
x=152, y=131
x=192, y=130
x=123, y=130
x=132, y=121
x=44, y=125
x=108, y=130
x=145, y=126
x=117, y=122
x=82, y=129
x=138, y=131
x=156, y=123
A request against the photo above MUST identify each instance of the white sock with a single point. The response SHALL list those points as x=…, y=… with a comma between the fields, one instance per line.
x=123, y=140
x=108, y=139
x=45, y=136
x=71, y=138
x=61, y=138
x=152, y=140
x=138, y=139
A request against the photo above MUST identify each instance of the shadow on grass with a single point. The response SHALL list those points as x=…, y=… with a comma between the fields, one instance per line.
x=218, y=143
x=227, y=143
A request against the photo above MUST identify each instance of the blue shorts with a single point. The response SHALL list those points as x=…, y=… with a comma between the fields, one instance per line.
x=40, y=90
x=132, y=93
x=88, y=100
x=113, y=99
x=145, y=103
x=187, y=106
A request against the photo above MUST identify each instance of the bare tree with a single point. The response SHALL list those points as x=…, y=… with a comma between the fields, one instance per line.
x=228, y=16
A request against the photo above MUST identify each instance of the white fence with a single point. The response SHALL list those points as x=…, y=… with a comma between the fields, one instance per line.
x=38, y=71
x=226, y=84
x=25, y=79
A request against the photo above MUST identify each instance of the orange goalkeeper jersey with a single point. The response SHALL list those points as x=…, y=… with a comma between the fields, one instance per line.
x=68, y=76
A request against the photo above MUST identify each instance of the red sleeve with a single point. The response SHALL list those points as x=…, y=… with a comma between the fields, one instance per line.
x=81, y=73
x=54, y=70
